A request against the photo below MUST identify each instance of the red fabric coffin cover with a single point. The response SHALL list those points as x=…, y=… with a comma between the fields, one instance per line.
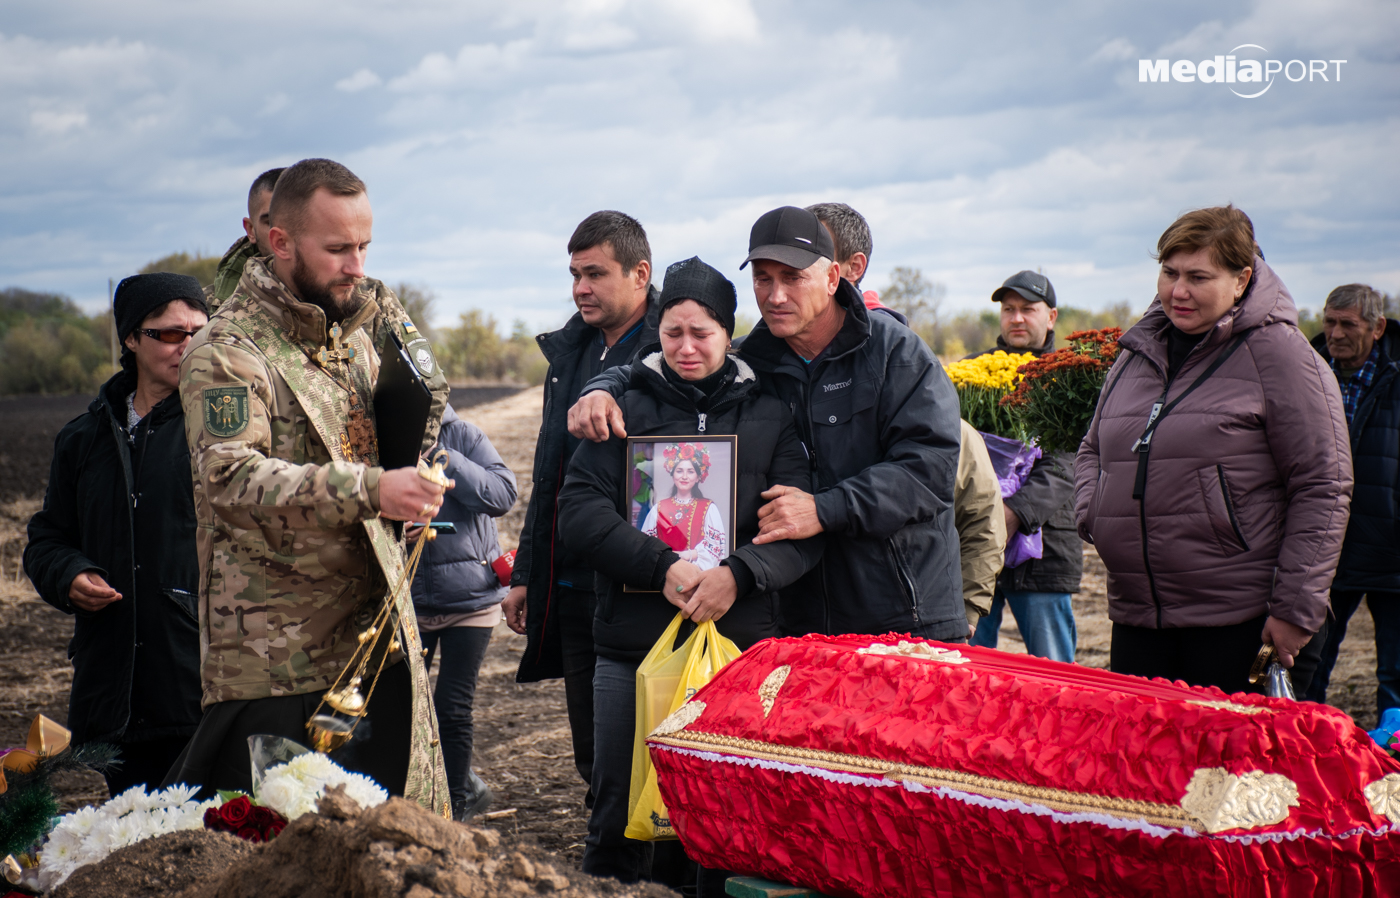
x=920, y=768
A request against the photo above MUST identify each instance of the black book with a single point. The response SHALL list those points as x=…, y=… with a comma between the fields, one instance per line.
x=402, y=401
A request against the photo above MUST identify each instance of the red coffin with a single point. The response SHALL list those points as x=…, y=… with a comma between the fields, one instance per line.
x=862, y=765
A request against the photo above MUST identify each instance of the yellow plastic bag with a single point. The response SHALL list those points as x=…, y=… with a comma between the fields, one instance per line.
x=666, y=679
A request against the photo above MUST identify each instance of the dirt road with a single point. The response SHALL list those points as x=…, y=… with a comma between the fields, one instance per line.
x=522, y=747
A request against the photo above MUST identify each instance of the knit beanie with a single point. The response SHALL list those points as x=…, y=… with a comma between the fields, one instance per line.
x=141, y=294
x=693, y=279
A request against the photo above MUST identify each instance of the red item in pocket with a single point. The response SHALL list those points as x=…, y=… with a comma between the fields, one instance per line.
x=503, y=566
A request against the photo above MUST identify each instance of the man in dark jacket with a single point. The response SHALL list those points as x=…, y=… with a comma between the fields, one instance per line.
x=1363, y=348
x=878, y=418
x=551, y=597
x=115, y=541
x=1037, y=590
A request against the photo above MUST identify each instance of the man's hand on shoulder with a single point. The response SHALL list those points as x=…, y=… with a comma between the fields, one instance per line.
x=404, y=496
x=594, y=415
x=789, y=514
x=90, y=592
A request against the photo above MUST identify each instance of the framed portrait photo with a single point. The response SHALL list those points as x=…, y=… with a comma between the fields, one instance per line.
x=681, y=490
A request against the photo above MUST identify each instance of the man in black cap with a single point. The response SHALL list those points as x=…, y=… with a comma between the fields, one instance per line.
x=1038, y=590
x=879, y=421
x=114, y=544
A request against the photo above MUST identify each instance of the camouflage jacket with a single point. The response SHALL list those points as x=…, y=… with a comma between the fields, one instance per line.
x=229, y=272
x=294, y=559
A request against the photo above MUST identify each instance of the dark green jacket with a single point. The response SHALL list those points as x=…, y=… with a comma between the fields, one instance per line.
x=230, y=270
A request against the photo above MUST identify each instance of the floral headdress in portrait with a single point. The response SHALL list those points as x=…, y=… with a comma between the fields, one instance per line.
x=691, y=452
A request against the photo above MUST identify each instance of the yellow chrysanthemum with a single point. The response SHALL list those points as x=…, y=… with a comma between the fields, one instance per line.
x=993, y=371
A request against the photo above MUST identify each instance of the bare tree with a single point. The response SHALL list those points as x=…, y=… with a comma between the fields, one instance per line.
x=918, y=299
x=418, y=301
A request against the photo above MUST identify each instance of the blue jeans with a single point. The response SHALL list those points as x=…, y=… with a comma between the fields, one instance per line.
x=1045, y=619
x=1385, y=611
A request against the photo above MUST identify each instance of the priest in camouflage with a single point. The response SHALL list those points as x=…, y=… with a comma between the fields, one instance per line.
x=296, y=556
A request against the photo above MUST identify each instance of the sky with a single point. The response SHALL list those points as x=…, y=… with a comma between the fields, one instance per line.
x=977, y=138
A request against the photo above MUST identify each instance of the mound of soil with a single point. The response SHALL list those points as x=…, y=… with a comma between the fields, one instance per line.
x=157, y=867
x=397, y=850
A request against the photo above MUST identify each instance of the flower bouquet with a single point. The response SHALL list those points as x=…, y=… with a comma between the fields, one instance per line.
x=1058, y=393
x=89, y=834
x=293, y=788
x=983, y=382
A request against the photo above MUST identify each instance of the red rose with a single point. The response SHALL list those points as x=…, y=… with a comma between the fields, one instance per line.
x=262, y=816
x=274, y=829
x=236, y=812
x=213, y=821
x=251, y=834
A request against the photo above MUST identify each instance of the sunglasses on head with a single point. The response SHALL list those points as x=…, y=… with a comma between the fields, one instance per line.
x=167, y=334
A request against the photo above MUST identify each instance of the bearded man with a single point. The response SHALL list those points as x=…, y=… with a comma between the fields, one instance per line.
x=295, y=556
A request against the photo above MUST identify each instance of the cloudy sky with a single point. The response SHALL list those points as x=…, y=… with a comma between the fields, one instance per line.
x=978, y=138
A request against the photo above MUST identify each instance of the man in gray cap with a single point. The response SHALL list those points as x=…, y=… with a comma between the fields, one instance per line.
x=878, y=419
x=114, y=542
x=1037, y=590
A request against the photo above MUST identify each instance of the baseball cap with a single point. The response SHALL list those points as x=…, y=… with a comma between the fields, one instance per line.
x=790, y=235
x=1033, y=286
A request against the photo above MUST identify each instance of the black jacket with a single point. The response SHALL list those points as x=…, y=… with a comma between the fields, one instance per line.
x=593, y=509
x=1371, y=551
x=880, y=419
x=1045, y=502
x=538, y=566
x=127, y=512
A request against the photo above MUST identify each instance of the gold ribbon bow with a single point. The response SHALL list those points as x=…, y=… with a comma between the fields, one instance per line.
x=46, y=739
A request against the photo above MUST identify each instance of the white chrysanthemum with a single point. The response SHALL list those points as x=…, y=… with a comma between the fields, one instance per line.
x=81, y=821
x=282, y=794
x=88, y=835
x=293, y=788
x=178, y=795
x=128, y=830
x=365, y=791
x=125, y=802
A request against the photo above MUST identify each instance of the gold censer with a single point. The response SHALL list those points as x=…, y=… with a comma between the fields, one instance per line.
x=346, y=697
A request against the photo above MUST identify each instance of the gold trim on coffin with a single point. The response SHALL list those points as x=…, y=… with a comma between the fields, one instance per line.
x=1056, y=799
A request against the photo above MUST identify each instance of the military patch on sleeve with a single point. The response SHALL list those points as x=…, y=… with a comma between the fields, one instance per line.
x=226, y=411
x=419, y=350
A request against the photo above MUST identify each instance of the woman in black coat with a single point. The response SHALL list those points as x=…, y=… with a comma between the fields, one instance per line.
x=114, y=542
x=691, y=388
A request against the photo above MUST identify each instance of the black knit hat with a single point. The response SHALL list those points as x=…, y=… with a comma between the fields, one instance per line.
x=141, y=294
x=693, y=279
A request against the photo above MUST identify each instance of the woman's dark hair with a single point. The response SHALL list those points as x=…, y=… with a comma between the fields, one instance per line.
x=694, y=490
x=1226, y=231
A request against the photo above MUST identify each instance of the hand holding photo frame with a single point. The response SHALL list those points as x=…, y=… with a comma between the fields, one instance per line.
x=681, y=490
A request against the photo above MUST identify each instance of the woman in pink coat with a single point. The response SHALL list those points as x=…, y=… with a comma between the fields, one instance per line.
x=1216, y=476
